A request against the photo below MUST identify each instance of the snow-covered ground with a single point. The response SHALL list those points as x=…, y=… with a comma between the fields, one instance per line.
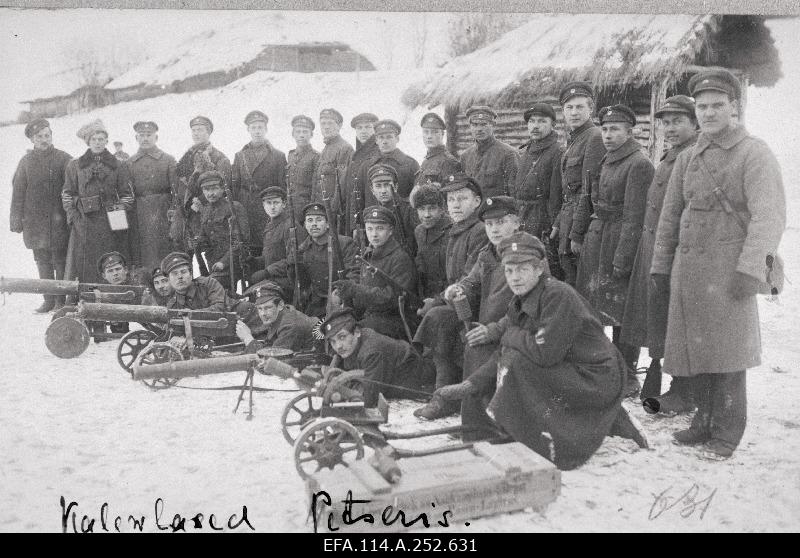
x=82, y=430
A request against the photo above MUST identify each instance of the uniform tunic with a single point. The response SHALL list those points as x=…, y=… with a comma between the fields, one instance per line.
x=437, y=165
x=405, y=166
x=619, y=201
x=204, y=293
x=92, y=184
x=300, y=176
x=215, y=236
x=356, y=184
x=709, y=332
x=538, y=184
x=644, y=323
x=330, y=172
x=291, y=330
x=407, y=223
x=155, y=180
x=493, y=164
x=272, y=260
x=431, y=257
x=313, y=263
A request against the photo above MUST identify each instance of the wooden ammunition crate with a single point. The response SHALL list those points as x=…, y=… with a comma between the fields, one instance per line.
x=484, y=480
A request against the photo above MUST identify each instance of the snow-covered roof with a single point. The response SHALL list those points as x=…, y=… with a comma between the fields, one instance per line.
x=234, y=41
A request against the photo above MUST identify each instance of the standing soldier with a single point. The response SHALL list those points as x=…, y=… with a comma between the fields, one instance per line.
x=95, y=184
x=119, y=153
x=431, y=235
x=36, y=209
x=256, y=167
x=439, y=163
x=581, y=159
x=200, y=158
x=271, y=264
x=329, y=175
x=491, y=162
x=387, y=135
x=155, y=182
x=614, y=227
x=723, y=218
x=538, y=185
x=302, y=161
x=645, y=320
x=366, y=151
x=383, y=180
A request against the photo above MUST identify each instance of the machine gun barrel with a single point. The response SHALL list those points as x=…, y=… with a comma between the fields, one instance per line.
x=197, y=367
x=202, y=322
x=84, y=291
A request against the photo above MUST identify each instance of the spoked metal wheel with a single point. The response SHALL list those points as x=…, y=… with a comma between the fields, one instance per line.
x=301, y=410
x=158, y=353
x=326, y=443
x=345, y=387
x=131, y=344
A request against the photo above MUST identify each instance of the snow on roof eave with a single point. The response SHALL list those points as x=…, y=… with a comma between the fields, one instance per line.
x=543, y=54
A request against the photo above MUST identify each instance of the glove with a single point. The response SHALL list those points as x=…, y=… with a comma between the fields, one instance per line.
x=743, y=286
x=659, y=283
x=345, y=287
x=16, y=224
x=456, y=391
x=618, y=273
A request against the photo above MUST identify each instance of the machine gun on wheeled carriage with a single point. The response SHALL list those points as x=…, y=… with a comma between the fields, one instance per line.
x=89, y=292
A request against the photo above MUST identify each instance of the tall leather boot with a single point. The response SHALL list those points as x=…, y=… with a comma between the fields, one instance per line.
x=45, y=272
x=630, y=354
x=447, y=373
x=652, y=382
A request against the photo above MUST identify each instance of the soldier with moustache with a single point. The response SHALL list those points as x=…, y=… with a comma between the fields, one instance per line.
x=491, y=162
x=302, y=162
x=354, y=186
x=329, y=174
x=439, y=163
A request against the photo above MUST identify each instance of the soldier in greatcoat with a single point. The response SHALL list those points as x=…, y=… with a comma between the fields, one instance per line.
x=491, y=162
x=329, y=175
x=271, y=264
x=723, y=217
x=155, y=183
x=355, y=188
x=119, y=153
x=257, y=166
x=438, y=163
x=387, y=136
x=431, y=235
x=36, y=209
x=95, y=183
x=644, y=323
x=301, y=163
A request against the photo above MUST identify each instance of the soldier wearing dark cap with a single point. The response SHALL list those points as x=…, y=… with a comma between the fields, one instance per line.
x=387, y=136
x=644, y=323
x=217, y=229
x=491, y=162
x=383, y=181
x=355, y=186
x=431, y=235
x=485, y=292
x=312, y=257
x=538, y=184
x=194, y=293
x=372, y=297
x=200, y=158
x=271, y=264
x=119, y=153
x=158, y=288
x=257, y=166
x=555, y=370
x=580, y=160
x=282, y=325
x=36, y=208
x=302, y=161
x=329, y=175
x=155, y=182
x=390, y=366
x=618, y=199
x=439, y=163
x=723, y=217
x=113, y=269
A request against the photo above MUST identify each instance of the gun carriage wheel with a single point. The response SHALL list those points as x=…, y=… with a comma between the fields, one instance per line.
x=66, y=337
x=345, y=387
x=131, y=345
x=300, y=411
x=326, y=443
x=159, y=353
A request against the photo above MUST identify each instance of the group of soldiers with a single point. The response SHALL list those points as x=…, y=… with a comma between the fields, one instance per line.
x=487, y=278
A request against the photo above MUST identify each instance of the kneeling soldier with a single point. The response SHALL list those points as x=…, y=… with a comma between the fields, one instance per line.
x=113, y=268
x=431, y=235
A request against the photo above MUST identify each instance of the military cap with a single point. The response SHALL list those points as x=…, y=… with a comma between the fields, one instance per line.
x=617, y=113
x=88, y=130
x=255, y=116
x=715, y=79
x=118, y=143
x=147, y=127
x=382, y=169
x=314, y=209
x=480, y=113
x=426, y=194
x=458, y=181
x=540, y=109
x=35, y=126
x=268, y=290
x=175, y=259
x=202, y=121
x=273, y=192
x=576, y=89
x=379, y=214
x=363, y=117
x=387, y=126
x=157, y=272
x=333, y=114
x=678, y=103
x=209, y=178
x=303, y=120
x=433, y=120
x=108, y=259
x=496, y=207
x=336, y=321
x=521, y=247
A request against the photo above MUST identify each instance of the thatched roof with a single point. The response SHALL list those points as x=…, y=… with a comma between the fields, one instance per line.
x=536, y=59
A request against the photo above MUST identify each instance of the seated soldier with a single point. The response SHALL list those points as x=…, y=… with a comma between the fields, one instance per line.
x=390, y=366
x=373, y=298
x=113, y=268
x=383, y=181
x=215, y=232
x=555, y=371
x=194, y=293
x=271, y=264
x=282, y=325
x=159, y=289
x=431, y=235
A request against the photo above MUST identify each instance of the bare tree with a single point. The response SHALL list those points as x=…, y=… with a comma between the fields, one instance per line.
x=97, y=64
x=420, y=39
x=470, y=31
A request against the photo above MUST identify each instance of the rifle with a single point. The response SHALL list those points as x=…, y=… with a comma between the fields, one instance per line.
x=235, y=243
x=401, y=232
x=334, y=249
x=359, y=235
x=293, y=243
x=338, y=195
